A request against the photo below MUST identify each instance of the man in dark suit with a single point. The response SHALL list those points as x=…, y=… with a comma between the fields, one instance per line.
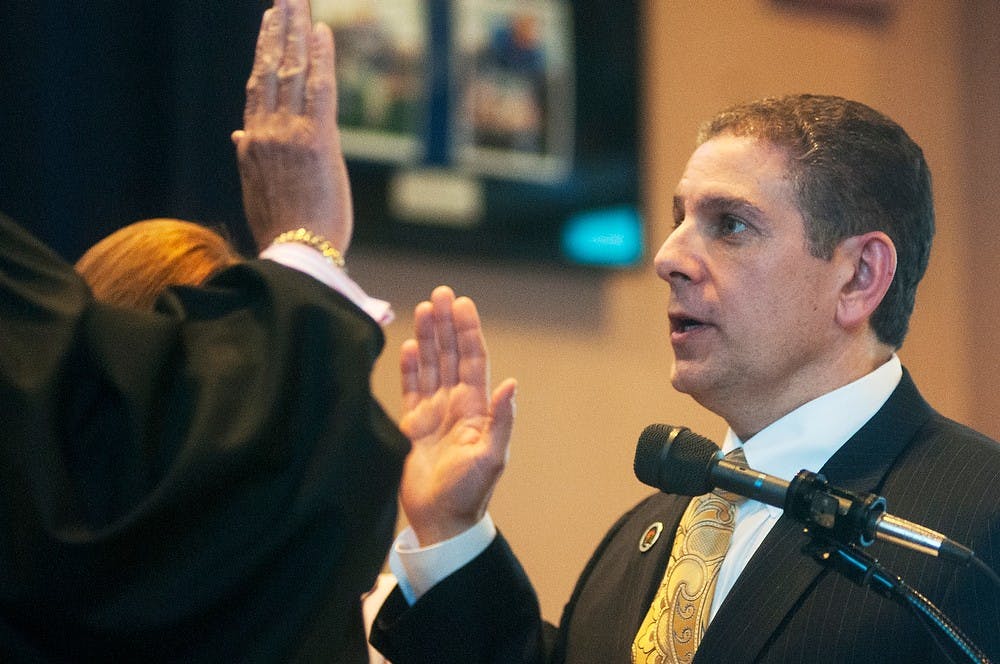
x=803, y=225
x=212, y=481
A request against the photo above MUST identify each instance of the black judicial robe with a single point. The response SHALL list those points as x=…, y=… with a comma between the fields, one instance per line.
x=212, y=482
x=785, y=608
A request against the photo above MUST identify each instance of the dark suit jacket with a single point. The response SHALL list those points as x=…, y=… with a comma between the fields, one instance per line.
x=785, y=607
x=214, y=482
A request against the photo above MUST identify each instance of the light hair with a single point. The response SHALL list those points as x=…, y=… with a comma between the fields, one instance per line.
x=135, y=264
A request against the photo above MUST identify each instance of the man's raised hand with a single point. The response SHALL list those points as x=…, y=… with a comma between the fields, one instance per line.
x=459, y=430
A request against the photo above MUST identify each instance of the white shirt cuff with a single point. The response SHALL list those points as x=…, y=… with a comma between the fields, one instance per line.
x=306, y=259
x=418, y=569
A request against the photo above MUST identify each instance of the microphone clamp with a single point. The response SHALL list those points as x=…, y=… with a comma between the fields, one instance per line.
x=845, y=515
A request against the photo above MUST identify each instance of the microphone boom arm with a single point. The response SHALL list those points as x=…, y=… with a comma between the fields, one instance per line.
x=864, y=570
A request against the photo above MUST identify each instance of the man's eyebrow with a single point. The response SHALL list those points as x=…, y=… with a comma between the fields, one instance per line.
x=678, y=207
x=720, y=203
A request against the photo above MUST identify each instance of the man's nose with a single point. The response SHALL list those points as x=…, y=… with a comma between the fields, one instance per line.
x=677, y=260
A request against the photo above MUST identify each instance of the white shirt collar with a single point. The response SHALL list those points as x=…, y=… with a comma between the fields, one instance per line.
x=808, y=436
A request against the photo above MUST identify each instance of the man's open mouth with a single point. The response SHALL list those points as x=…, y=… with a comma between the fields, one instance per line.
x=684, y=323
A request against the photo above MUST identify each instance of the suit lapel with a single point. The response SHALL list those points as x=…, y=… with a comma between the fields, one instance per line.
x=864, y=461
x=779, y=574
x=618, y=585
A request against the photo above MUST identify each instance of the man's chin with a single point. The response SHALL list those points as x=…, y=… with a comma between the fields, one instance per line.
x=690, y=379
x=684, y=377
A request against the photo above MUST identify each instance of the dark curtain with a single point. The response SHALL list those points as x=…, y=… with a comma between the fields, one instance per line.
x=116, y=111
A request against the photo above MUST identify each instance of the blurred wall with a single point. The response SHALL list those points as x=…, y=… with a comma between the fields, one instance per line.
x=591, y=351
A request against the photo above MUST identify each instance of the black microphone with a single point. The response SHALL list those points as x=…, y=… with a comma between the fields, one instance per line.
x=677, y=460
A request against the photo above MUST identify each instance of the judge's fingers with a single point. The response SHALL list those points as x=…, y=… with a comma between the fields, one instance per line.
x=443, y=299
x=321, y=84
x=262, y=85
x=294, y=58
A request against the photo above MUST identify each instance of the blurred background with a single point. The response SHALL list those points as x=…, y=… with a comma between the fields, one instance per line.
x=111, y=114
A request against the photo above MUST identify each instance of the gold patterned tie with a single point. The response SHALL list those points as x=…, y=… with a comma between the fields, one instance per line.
x=676, y=620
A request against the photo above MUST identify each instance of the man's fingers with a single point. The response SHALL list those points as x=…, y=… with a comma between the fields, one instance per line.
x=449, y=342
x=502, y=408
x=443, y=299
x=423, y=329
x=473, y=365
x=409, y=368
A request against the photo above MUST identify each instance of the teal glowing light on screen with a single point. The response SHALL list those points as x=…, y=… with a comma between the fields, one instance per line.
x=610, y=237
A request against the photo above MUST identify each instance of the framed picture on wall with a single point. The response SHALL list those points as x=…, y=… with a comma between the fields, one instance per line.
x=381, y=51
x=512, y=64
x=496, y=128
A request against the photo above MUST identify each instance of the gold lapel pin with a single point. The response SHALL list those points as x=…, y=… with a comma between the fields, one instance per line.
x=649, y=537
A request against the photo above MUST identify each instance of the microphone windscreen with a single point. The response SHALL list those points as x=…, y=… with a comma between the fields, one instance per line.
x=675, y=460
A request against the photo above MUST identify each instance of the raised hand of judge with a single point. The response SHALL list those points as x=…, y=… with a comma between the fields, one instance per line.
x=460, y=432
x=291, y=166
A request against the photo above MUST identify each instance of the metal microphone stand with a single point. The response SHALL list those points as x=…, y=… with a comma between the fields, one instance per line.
x=839, y=523
x=864, y=570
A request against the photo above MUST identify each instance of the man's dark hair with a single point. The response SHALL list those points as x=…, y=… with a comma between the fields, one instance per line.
x=853, y=170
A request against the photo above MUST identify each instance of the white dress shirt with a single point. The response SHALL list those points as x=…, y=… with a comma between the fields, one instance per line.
x=806, y=438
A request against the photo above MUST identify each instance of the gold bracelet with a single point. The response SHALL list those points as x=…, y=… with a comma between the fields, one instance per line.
x=317, y=242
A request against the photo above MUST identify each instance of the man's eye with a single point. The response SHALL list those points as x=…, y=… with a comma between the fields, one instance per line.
x=730, y=225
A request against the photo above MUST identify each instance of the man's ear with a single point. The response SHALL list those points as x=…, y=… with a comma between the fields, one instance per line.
x=869, y=262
